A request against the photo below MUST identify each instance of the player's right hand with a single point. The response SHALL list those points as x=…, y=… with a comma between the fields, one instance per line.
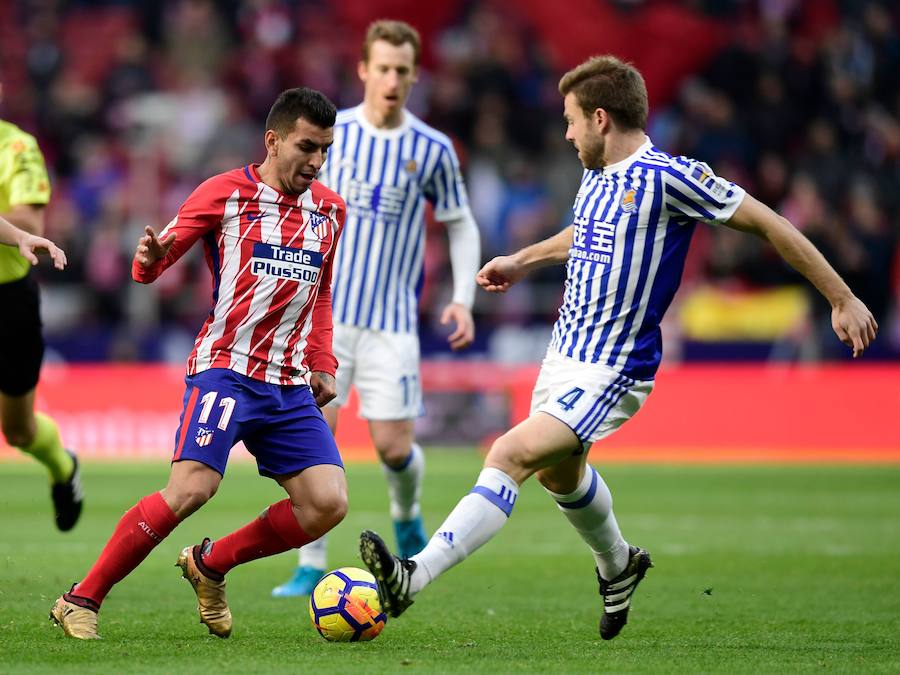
x=854, y=325
x=151, y=249
x=499, y=274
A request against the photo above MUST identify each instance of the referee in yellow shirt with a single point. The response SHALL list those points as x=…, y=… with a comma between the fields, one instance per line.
x=24, y=192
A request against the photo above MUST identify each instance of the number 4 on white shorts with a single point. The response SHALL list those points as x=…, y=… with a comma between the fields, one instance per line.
x=568, y=400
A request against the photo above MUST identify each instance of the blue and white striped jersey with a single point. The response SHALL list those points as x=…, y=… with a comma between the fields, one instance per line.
x=632, y=227
x=385, y=176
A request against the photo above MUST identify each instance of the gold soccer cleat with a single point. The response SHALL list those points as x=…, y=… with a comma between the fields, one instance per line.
x=211, y=601
x=76, y=621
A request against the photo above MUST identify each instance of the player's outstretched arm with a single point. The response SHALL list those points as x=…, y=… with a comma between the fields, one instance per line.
x=503, y=271
x=850, y=318
x=30, y=245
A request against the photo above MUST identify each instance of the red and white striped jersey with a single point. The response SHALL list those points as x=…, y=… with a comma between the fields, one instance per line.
x=271, y=256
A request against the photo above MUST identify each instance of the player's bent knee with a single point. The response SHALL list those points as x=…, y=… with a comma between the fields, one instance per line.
x=394, y=454
x=184, y=501
x=512, y=457
x=191, y=501
x=323, y=513
x=19, y=436
x=554, y=482
x=337, y=510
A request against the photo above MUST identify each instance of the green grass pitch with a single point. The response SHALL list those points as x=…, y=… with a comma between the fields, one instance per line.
x=758, y=569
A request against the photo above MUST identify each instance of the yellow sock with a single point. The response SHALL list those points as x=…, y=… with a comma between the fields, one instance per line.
x=47, y=448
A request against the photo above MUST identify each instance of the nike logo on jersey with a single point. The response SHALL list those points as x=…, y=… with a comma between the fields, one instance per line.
x=254, y=216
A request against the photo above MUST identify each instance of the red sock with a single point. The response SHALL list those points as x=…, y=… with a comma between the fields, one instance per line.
x=275, y=531
x=142, y=527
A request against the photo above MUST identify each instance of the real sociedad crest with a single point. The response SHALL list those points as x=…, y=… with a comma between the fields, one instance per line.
x=628, y=204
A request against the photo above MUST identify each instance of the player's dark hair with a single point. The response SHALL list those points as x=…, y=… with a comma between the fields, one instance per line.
x=608, y=83
x=396, y=33
x=292, y=104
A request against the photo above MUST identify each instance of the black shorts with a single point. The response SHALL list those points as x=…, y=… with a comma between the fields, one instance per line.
x=21, y=342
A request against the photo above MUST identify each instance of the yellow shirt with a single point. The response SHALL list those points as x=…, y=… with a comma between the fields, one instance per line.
x=23, y=180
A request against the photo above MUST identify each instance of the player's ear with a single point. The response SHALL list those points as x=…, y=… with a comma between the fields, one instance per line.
x=601, y=120
x=362, y=70
x=271, y=141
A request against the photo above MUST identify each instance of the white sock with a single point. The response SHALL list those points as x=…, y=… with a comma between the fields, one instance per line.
x=478, y=517
x=314, y=553
x=589, y=509
x=405, y=484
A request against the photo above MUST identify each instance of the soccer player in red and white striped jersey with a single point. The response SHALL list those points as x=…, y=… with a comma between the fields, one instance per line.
x=261, y=368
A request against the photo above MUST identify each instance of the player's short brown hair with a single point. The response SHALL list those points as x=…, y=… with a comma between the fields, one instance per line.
x=304, y=102
x=609, y=83
x=396, y=33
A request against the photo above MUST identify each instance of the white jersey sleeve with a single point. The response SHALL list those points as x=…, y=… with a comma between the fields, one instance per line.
x=694, y=192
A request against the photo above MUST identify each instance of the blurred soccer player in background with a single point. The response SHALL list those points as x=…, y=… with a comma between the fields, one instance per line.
x=634, y=215
x=24, y=192
x=261, y=368
x=387, y=164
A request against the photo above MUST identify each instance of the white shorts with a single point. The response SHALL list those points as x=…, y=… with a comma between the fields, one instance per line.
x=384, y=368
x=592, y=399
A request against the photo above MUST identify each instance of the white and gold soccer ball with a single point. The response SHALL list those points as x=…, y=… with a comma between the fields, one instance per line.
x=344, y=606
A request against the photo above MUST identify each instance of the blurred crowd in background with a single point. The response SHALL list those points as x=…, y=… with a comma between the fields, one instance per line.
x=135, y=103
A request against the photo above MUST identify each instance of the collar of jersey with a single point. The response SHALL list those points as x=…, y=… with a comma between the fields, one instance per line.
x=631, y=159
x=370, y=128
x=288, y=199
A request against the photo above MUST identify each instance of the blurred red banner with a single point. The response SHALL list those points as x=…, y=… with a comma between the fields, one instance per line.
x=844, y=413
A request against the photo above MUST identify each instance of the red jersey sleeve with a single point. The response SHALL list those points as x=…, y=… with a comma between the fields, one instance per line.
x=202, y=212
x=320, y=355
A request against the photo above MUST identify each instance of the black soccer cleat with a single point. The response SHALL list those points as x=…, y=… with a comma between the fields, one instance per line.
x=392, y=573
x=617, y=592
x=68, y=498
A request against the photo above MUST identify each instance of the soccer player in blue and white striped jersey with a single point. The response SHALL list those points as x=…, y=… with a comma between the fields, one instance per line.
x=634, y=215
x=388, y=165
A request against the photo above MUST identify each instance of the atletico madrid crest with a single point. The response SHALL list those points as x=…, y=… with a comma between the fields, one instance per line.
x=316, y=219
x=204, y=437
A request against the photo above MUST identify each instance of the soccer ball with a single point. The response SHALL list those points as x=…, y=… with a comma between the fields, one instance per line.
x=344, y=606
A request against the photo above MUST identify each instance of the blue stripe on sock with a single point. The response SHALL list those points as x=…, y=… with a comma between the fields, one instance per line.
x=501, y=503
x=584, y=501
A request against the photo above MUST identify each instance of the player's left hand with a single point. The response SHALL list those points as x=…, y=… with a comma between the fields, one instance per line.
x=151, y=248
x=30, y=245
x=323, y=387
x=854, y=325
x=464, y=332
